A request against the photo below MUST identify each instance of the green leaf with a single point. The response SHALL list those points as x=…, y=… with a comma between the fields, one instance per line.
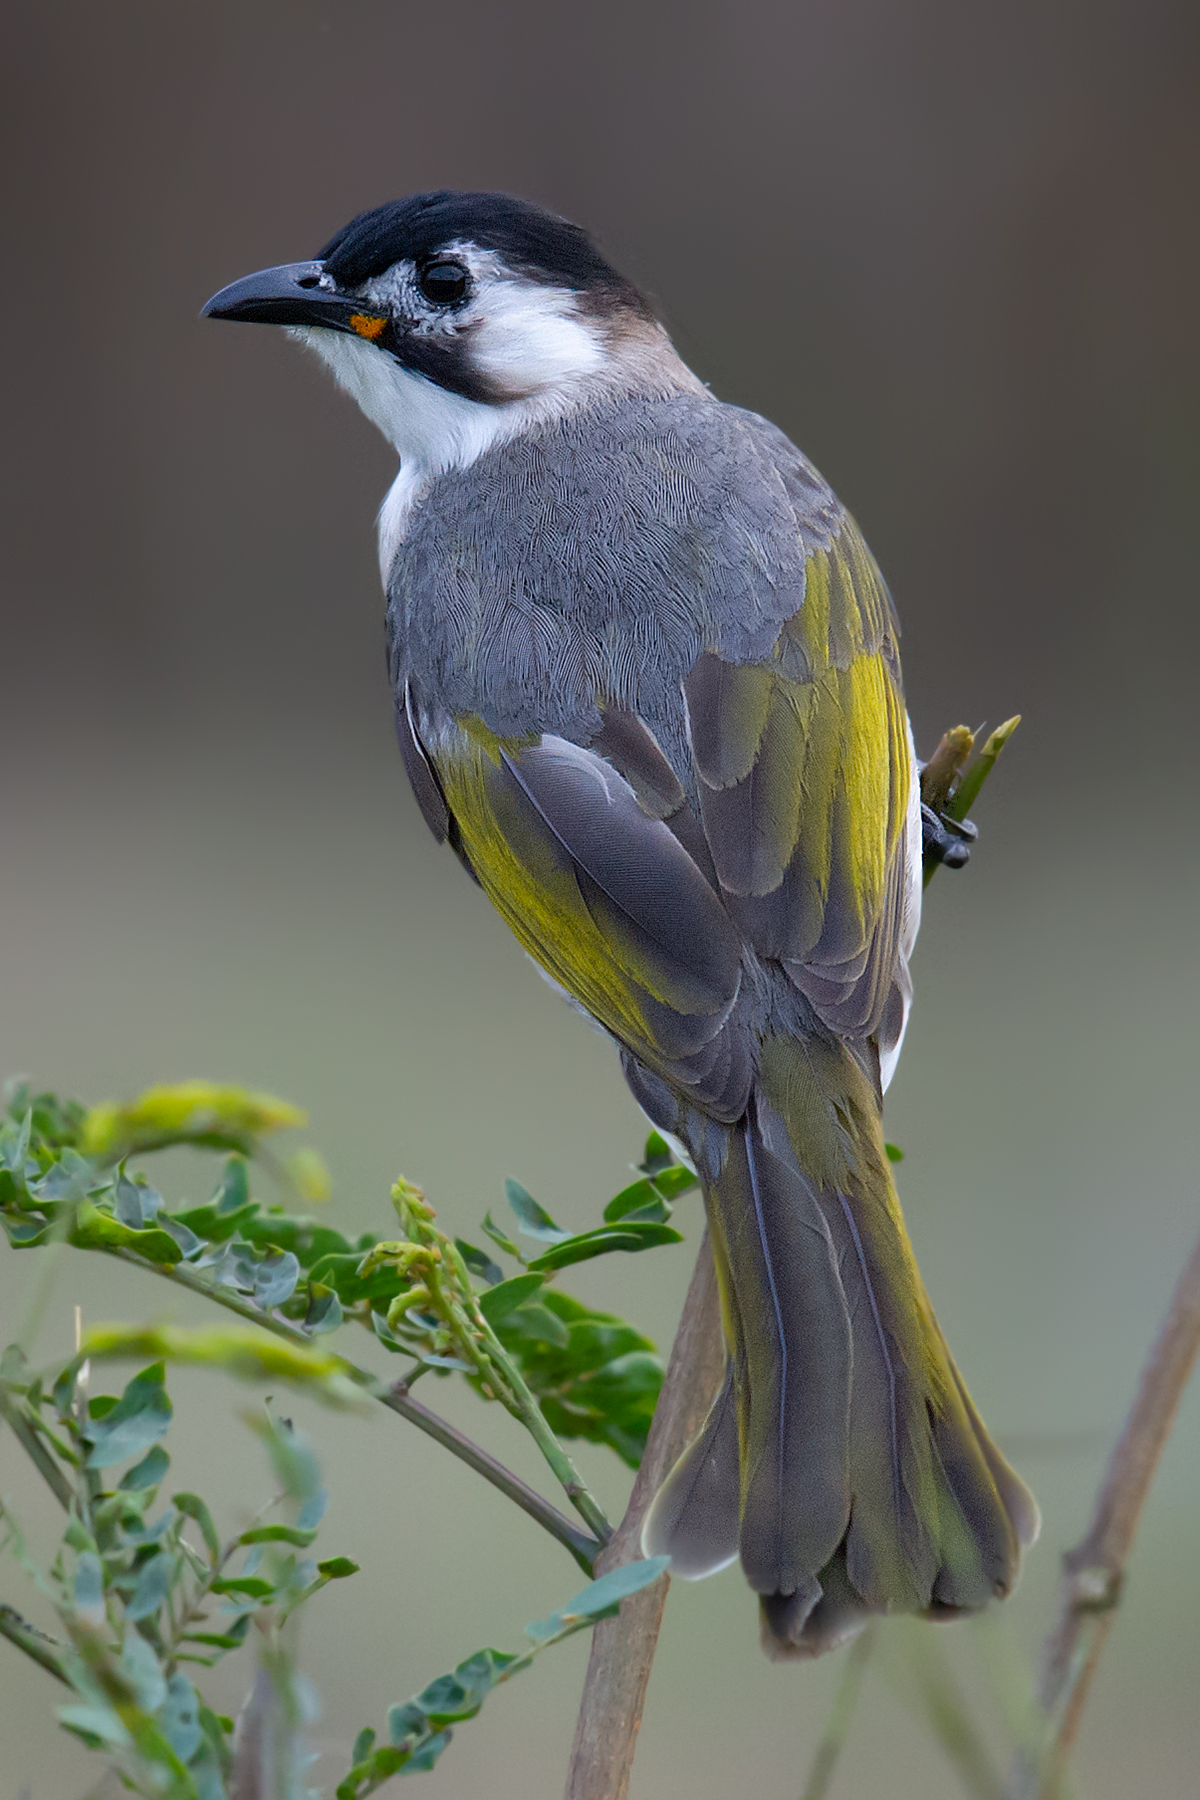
x=640, y=1201
x=657, y=1156
x=499, y=1237
x=602, y=1386
x=233, y=1190
x=406, y=1721
x=479, y=1262
x=324, y=1310
x=275, y=1279
x=603, y=1240
x=308, y=1241
x=340, y=1272
x=212, y=1223
x=222, y=1640
x=534, y=1221
x=237, y=1633
x=69, y=1177
x=179, y=1716
x=89, y=1589
x=539, y=1325
x=134, y=1202
x=193, y=1507
x=149, y=1472
x=372, y=1772
x=143, y=1671
x=96, y=1725
x=252, y=1586
x=363, y=1744
x=277, y=1534
x=425, y=1755
x=97, y=1230
x=894, y=1153
x=499, y=1301
x=336, y=1568
x=139, y=1419
x=600, y=1598
x=387, y=1337
x=154, y=1580
x=461, y=1694
x=675, y=1181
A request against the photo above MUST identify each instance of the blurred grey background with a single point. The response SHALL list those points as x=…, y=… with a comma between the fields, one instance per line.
x=953, y=252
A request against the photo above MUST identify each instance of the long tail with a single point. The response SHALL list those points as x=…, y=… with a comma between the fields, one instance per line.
x=843, y=1460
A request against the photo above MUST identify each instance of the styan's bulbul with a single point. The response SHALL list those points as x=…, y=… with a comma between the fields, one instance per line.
x=647, y=687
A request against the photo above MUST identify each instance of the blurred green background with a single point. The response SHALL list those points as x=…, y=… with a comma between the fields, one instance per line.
x=953, y=252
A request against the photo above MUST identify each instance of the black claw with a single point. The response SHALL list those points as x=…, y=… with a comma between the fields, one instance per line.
x=945, y=841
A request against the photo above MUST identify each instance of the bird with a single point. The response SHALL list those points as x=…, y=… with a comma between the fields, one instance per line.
x=647, y=687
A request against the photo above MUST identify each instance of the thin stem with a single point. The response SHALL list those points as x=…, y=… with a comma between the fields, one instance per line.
x=622, y=1652
x=581, y=1547
x=1094, y=1571
x=947, y=767
x=31, y=1443
x=534, y=1421
x=623, y=1648
x=967, y=792
x=33, y=1642
x=499, y=1372
x=837, y=1726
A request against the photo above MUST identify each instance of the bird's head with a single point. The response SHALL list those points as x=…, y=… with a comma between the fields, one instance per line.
x=454, y=317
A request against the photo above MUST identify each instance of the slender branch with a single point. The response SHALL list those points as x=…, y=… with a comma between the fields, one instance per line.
x=622, y=1651
x=948, y=785
x=33, y=1642
x=534, y=1421
x=37, y=1452
x=946, y=765
x=1094, y=1571
x=967, y=792
x=837, y=1726
x=582, y=1547
x=623, y=1648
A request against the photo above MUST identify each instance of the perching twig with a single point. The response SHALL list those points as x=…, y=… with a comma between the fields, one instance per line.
x=967, y=792
x=44, y=1650
x=36, y=1451
x=1094, y=1571
x=948, y=786
x=582, y=1546
x=618, y=1672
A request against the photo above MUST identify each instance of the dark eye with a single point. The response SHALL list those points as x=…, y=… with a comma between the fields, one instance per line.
x=444, y=283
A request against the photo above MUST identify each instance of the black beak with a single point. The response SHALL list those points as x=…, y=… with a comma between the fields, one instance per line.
x=292, y=295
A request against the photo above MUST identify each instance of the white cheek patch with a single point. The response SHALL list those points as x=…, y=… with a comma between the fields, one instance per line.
x=526, y=338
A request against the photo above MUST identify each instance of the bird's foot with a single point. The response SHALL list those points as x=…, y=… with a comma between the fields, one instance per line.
x=945, y=840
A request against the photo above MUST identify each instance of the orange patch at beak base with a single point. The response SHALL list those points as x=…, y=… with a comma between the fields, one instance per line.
x=366, y=324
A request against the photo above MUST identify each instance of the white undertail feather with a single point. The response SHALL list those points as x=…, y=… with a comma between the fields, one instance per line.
x=911, y=917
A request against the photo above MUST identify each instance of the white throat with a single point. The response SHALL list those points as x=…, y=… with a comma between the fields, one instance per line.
x=528, y=341
x=431, y=429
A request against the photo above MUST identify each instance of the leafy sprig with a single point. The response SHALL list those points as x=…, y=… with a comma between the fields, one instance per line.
x=137, y=1599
